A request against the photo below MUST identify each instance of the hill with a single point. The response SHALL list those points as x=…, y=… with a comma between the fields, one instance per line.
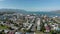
x=57, y=11
x=11, y=11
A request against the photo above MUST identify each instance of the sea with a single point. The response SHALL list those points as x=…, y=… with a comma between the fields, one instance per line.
x=50, y=14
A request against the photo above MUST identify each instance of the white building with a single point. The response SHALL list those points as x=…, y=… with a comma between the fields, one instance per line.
x=38, y=23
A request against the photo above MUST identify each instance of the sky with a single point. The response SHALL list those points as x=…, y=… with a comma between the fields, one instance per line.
x=31, y=5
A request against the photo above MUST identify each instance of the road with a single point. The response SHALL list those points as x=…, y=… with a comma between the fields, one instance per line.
x=57, y=20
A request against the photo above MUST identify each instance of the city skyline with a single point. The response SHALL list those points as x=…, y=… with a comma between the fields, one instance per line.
x=31, y=5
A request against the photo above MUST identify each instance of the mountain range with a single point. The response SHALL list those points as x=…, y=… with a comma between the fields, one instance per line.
x=25, y=12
